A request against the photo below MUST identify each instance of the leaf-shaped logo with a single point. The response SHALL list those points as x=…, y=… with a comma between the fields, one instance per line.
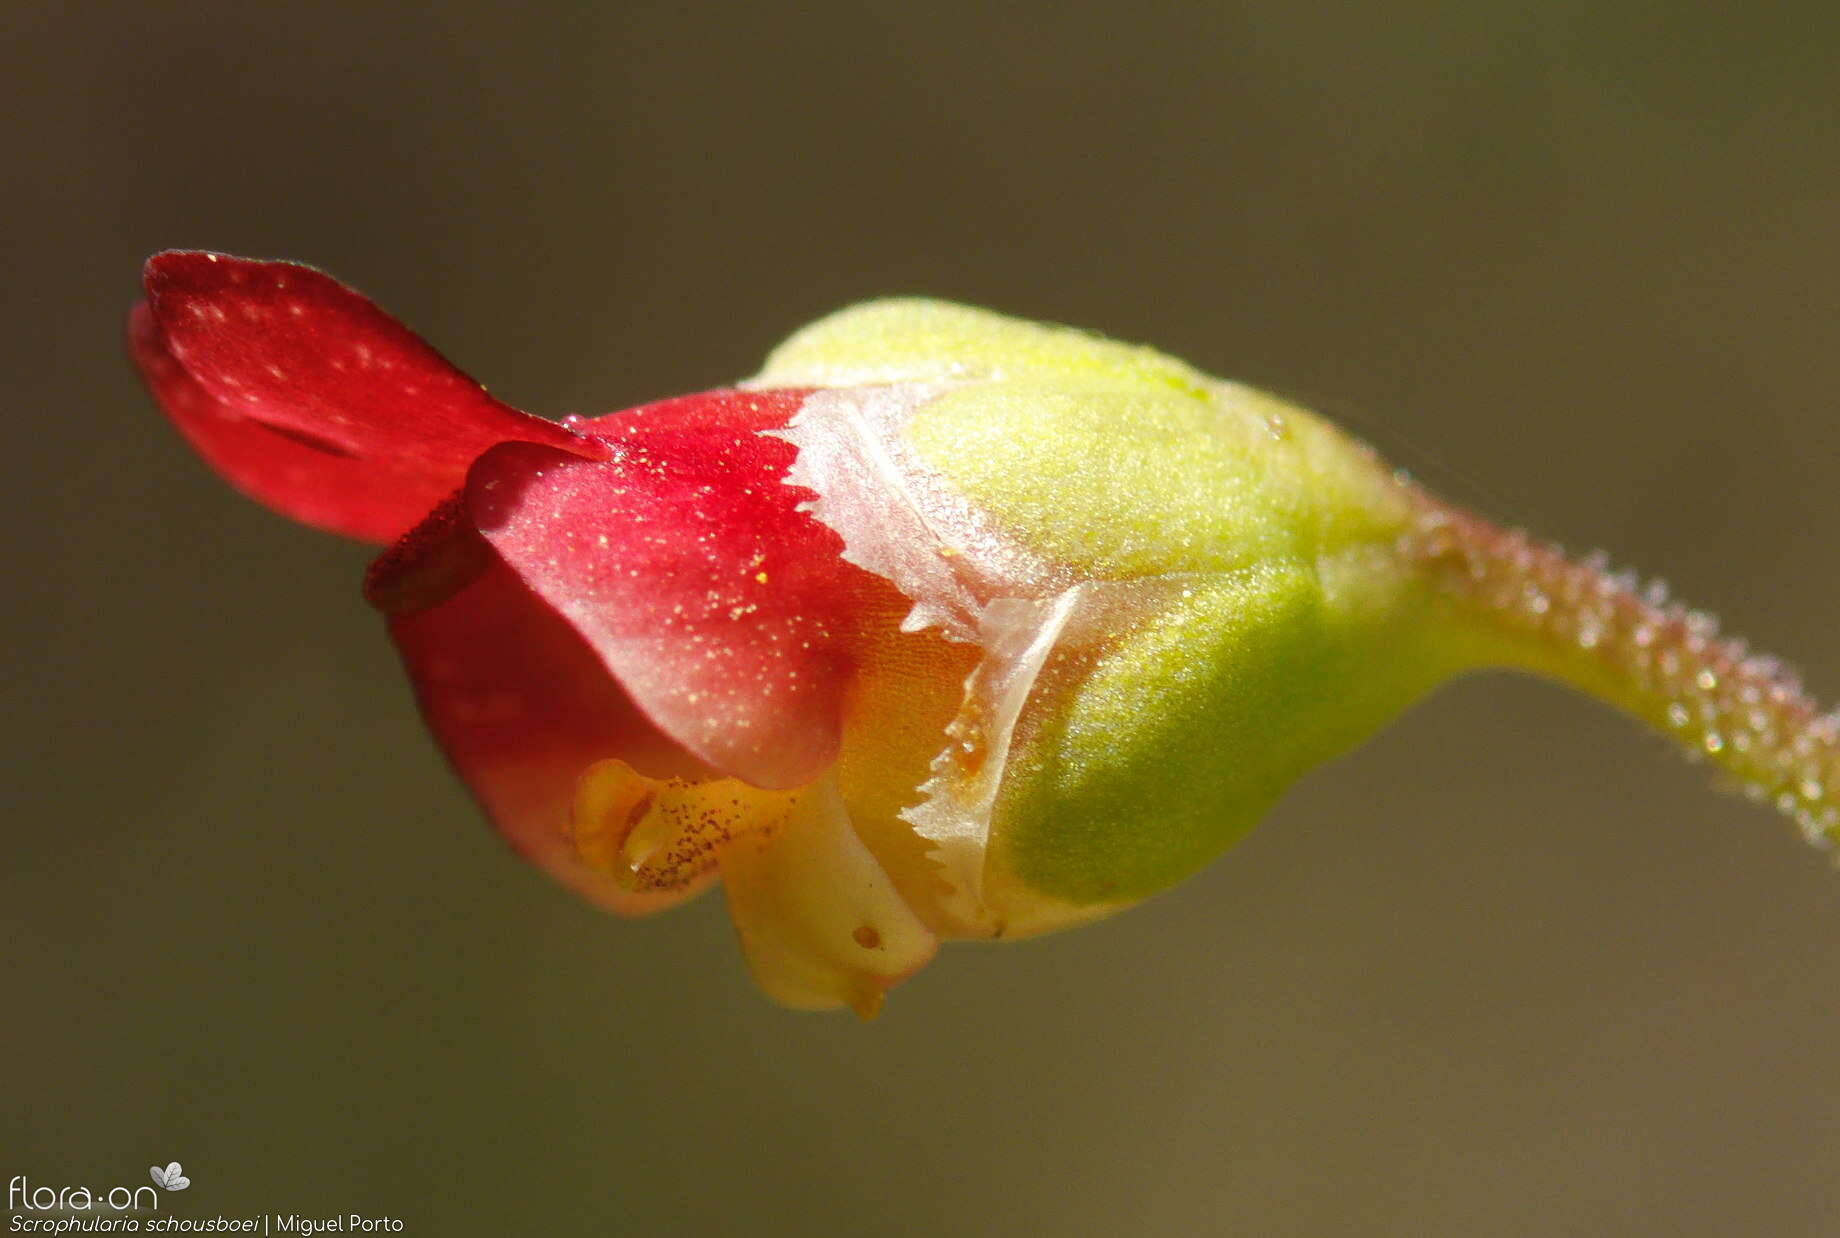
x=172, y=1178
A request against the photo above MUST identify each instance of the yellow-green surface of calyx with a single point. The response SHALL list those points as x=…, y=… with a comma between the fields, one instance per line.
x=1238, y=609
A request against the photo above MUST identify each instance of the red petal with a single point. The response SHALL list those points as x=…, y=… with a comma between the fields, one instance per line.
x=522, y=708
x=684, y=561
x=310, y=399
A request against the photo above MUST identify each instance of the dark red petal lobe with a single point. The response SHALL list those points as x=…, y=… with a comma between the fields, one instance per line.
x=683, y=559
x=310, y=399
x=522, y=707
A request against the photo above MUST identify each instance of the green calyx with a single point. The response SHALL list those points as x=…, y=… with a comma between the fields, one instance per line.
x=1261, y=619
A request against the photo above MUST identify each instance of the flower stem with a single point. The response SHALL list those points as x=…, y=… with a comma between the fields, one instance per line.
x=1529, y=606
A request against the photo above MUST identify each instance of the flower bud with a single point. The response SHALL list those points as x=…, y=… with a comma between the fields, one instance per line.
x=946, y=625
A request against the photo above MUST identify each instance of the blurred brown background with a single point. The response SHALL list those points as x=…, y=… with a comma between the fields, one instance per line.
x=1512, y=969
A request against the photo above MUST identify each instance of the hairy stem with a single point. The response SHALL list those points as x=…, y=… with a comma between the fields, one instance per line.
x=1606, y=633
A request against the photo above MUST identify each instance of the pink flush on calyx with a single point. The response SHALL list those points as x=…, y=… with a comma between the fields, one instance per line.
x=943, y=625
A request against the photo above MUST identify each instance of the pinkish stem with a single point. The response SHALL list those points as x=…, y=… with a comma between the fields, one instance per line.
x=1627, y=644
